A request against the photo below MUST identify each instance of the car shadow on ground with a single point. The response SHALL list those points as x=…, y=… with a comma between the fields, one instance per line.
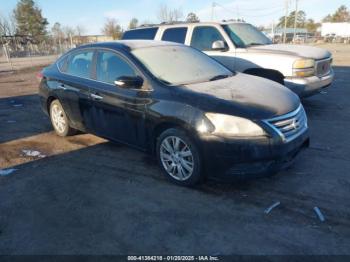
x=108, y=198
x=20, y=117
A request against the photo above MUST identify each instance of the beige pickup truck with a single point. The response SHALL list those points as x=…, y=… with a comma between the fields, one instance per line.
x=241, y=47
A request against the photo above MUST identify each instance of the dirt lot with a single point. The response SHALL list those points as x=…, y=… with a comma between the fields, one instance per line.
x=25, y=62
x=89, y=196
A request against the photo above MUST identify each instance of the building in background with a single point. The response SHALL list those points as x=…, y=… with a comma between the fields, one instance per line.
x=335, y=29
x=84, y=39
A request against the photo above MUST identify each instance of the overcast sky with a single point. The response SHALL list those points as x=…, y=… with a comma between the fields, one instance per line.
x=91, y=14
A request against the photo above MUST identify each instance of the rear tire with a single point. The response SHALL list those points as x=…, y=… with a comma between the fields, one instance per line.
x=59, y=120
x=179, y=158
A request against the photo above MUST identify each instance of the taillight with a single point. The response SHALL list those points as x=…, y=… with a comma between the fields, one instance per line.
x=39, y=76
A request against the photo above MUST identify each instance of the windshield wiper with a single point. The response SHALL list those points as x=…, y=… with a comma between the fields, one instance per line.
x=253, y=44
x=164, y=81
x=217, y=77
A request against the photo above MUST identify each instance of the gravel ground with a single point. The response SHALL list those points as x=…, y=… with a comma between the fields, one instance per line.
x=85, y=195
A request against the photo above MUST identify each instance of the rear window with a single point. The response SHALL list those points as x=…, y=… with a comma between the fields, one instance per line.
x=177, y=35
x=145, y=33
x=80, y=63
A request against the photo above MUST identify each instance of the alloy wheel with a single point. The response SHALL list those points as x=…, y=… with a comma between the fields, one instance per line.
x=177, y=158
x=58, y=119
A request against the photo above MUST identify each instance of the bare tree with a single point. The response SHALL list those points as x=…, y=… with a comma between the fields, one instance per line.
x=169, y=15
x=147, y=22
x=112, y=28
x=133, y=23
x=7, y=25
x=57, y=34
x=80, y=30
x=57, y=31
x=68, y=31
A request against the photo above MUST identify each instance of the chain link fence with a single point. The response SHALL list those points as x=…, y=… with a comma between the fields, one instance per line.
x=16, y=53
x=20, y=52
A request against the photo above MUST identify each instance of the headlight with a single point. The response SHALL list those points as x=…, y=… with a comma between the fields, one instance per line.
x=231, y=126
x=304, y=67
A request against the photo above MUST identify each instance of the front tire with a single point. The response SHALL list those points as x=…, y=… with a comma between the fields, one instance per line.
x=179, y=158
x=59, y=120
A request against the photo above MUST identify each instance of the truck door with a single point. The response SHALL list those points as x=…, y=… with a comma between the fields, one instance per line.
x=203, y=38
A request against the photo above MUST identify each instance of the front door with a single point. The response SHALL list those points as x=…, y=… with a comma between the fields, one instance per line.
x=118, y=113
x=203, y=38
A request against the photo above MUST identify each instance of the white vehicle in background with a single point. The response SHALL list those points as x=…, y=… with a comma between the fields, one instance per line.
x=242, y=47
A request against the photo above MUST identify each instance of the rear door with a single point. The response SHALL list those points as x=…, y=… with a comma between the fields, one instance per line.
x=74, y=85
x=175, y=34
x=118, y=113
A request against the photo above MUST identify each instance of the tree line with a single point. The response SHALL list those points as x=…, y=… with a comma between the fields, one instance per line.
x=342, y=14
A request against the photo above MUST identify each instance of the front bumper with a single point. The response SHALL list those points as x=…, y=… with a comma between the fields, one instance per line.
x=232, y=158
x=308, y=86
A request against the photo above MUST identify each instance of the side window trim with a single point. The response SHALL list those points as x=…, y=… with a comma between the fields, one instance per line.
x=94, y=65
x=63, y=59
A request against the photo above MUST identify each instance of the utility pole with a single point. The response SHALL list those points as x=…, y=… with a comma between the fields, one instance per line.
x=212, y=11
x=285, y=23
x=71, y=40
x=295, y=18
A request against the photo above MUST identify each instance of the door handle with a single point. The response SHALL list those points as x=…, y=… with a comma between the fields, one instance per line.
x=96, y=97
x=62, y=86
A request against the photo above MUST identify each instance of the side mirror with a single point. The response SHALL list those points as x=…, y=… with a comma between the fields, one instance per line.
x=219, y=45
x=129, y=82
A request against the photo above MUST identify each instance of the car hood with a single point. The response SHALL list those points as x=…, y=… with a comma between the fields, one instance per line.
x=294, y=50
x=246, y=96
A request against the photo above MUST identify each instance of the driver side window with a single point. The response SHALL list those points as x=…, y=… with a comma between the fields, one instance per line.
x=110, y=66
x=203, y=37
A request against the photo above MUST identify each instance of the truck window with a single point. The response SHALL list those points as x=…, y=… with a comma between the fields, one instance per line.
x=203, y=37
x=144, y=33
x=177, y=35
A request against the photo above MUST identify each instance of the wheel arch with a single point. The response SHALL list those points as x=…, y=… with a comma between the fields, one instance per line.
x=167, y=124
x=49, y=100
x=270, y=74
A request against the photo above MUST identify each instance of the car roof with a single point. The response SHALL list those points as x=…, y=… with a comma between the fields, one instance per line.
x=129, y=44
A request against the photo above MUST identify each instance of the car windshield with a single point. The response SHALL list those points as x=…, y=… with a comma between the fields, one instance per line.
x=245, y=35
x=176, y=65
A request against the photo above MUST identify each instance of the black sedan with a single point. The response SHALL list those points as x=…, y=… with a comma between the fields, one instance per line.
x=198, y=118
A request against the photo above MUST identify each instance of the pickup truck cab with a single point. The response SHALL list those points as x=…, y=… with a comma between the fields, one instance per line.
x=241, y=47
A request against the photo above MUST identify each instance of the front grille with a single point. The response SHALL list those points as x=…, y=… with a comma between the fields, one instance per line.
x=291, y=125
x=323, y=67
